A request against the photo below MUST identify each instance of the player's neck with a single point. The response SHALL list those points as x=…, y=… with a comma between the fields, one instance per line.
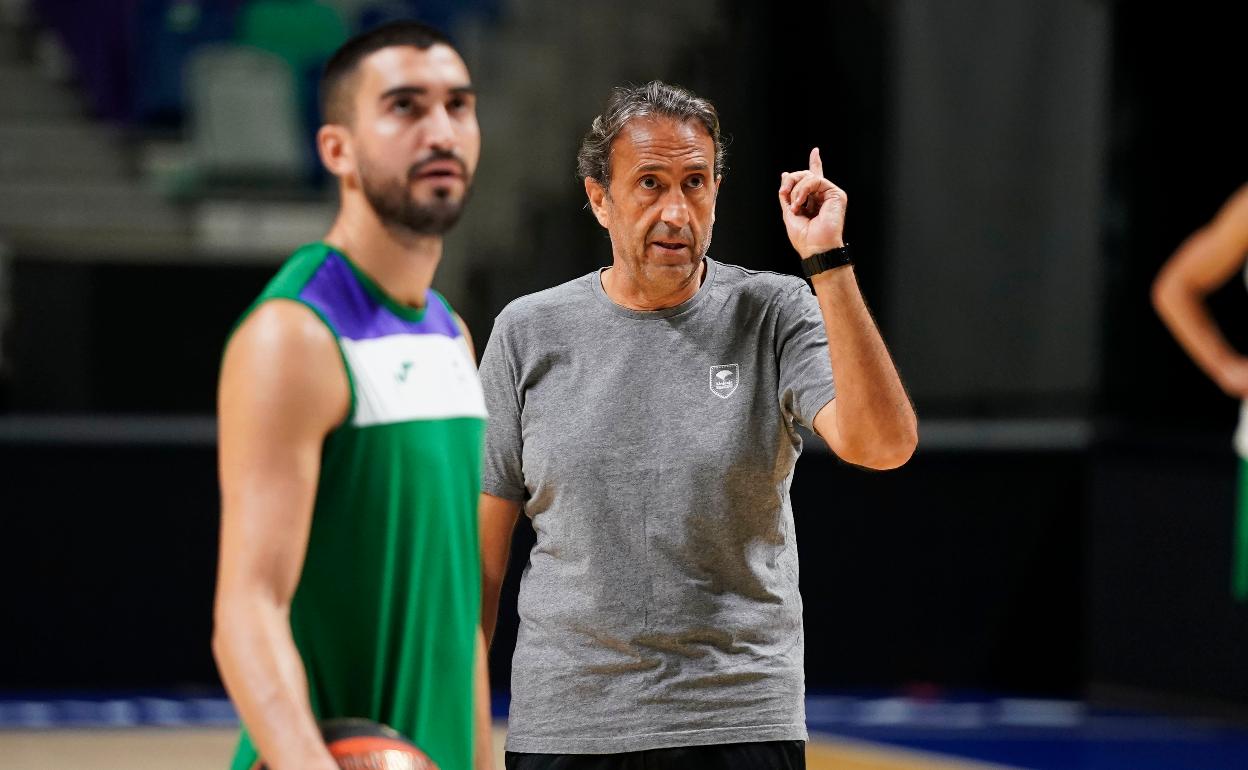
x=400, y=262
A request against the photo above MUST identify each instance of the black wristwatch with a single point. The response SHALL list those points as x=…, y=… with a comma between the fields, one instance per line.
x=826, y=260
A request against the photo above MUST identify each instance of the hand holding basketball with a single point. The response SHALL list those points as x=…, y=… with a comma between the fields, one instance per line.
x=358, y=744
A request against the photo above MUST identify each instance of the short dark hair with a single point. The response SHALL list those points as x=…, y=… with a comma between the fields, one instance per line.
x=654, y=99
x=334, y=99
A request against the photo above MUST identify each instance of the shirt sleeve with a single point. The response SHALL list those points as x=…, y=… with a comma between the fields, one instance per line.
x=806, y=384
x=503, y=474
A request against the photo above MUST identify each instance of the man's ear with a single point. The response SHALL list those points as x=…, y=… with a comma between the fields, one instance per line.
x=715, y=197
x=597, y=195
x=333, y=143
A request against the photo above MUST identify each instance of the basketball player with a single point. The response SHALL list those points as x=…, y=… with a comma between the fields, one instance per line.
x=351, y=424
x=1204, y=263
x=643, y=416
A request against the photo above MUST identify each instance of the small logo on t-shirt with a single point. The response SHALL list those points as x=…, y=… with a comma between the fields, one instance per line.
x=404, y=369
x=724, y=379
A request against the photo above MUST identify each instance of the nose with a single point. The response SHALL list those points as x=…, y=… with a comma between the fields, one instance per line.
x=439, y=131
x=675, y=208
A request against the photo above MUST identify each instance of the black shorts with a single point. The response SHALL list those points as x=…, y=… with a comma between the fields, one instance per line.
x=765, y=755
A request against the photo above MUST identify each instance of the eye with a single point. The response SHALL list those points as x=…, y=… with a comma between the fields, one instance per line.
x=403, y=105
x=649, y=183
x=457, y=104
x=696, y=182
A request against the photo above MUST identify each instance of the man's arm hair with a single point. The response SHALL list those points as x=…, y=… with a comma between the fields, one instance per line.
x=282, y=389
x=871, y=422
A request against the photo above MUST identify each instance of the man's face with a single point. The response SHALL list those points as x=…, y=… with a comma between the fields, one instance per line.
x=415, y=135
x=660, y=204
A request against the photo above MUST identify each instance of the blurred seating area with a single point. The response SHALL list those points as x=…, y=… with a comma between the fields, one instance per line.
x=235, y=79
x=163, y=133
x=162, y=129
x=171, y=131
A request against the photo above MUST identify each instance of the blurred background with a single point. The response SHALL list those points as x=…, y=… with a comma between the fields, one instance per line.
x=1059, y=548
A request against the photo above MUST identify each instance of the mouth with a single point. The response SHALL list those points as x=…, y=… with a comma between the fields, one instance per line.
x=439, y=170
x=670, y=247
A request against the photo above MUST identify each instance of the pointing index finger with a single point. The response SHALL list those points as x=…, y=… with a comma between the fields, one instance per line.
x=816, y=163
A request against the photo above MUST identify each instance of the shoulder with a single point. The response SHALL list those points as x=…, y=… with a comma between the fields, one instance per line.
x=278, y=329
x=297, y=270
x=440, y=304
x=284, y=359
x=549, y=303
x=761, y=291
x=764, y=284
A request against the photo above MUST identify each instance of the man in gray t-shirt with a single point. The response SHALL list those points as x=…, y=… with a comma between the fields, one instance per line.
x=644, y=417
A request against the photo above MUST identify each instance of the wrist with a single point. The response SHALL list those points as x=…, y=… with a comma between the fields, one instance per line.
x=810, y=251
x=824, y=261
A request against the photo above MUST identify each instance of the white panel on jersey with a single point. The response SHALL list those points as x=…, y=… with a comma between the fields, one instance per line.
x=412, y=377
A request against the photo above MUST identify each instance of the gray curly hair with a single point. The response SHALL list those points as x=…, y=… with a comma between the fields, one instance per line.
x=654, y=99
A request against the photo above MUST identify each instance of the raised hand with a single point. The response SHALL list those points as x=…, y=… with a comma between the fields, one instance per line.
x=813, y=209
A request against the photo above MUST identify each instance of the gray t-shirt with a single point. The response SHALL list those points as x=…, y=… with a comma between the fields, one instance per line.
x=653, y=452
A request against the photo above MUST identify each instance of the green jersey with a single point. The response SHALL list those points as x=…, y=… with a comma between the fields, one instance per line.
x=385, y=616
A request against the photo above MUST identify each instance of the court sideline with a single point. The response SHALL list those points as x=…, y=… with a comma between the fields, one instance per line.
x=153, y=748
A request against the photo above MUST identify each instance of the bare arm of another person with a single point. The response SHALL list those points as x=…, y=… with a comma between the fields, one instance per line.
x=871, y=422
x=481, y=677
x=498, y=521
x=1206, y=261
x=282, y=390
x=484, y=751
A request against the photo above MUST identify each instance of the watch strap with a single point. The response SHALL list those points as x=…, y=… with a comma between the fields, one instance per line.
x=826, y=260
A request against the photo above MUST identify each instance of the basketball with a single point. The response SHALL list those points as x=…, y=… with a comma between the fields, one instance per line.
x=358, y=744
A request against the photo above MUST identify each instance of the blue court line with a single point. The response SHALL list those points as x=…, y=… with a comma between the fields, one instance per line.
x=1019, y=732
x=26, y=710
x=1032, y=733
x=41, y=710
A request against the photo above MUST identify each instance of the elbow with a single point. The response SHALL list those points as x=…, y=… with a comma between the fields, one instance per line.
x=232, y=614
x=220, y=636
x=221, y=656
x=219, y=651
x=1172, y=292
x=895, y=454
x=887, y=452
x=897, y=458
x=1162, y=290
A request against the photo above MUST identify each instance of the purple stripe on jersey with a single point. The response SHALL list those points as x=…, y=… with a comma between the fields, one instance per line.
x=337, y=293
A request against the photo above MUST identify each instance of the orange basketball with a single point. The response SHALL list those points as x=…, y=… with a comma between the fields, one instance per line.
x=358, y=744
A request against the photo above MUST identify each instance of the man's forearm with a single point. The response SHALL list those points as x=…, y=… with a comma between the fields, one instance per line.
x=261, y=669
x=498, y=521
x=484, y=722
x=489, y=611
x=874, y=418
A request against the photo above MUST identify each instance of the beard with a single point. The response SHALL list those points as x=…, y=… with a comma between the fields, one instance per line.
x=396, y=206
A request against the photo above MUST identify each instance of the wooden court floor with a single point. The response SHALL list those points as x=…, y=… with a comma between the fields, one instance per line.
x=150, y=748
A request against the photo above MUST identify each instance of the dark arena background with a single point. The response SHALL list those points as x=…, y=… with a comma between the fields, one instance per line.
x=1046, y=584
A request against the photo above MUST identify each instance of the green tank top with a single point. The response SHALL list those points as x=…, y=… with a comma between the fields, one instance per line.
x=386, y=612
